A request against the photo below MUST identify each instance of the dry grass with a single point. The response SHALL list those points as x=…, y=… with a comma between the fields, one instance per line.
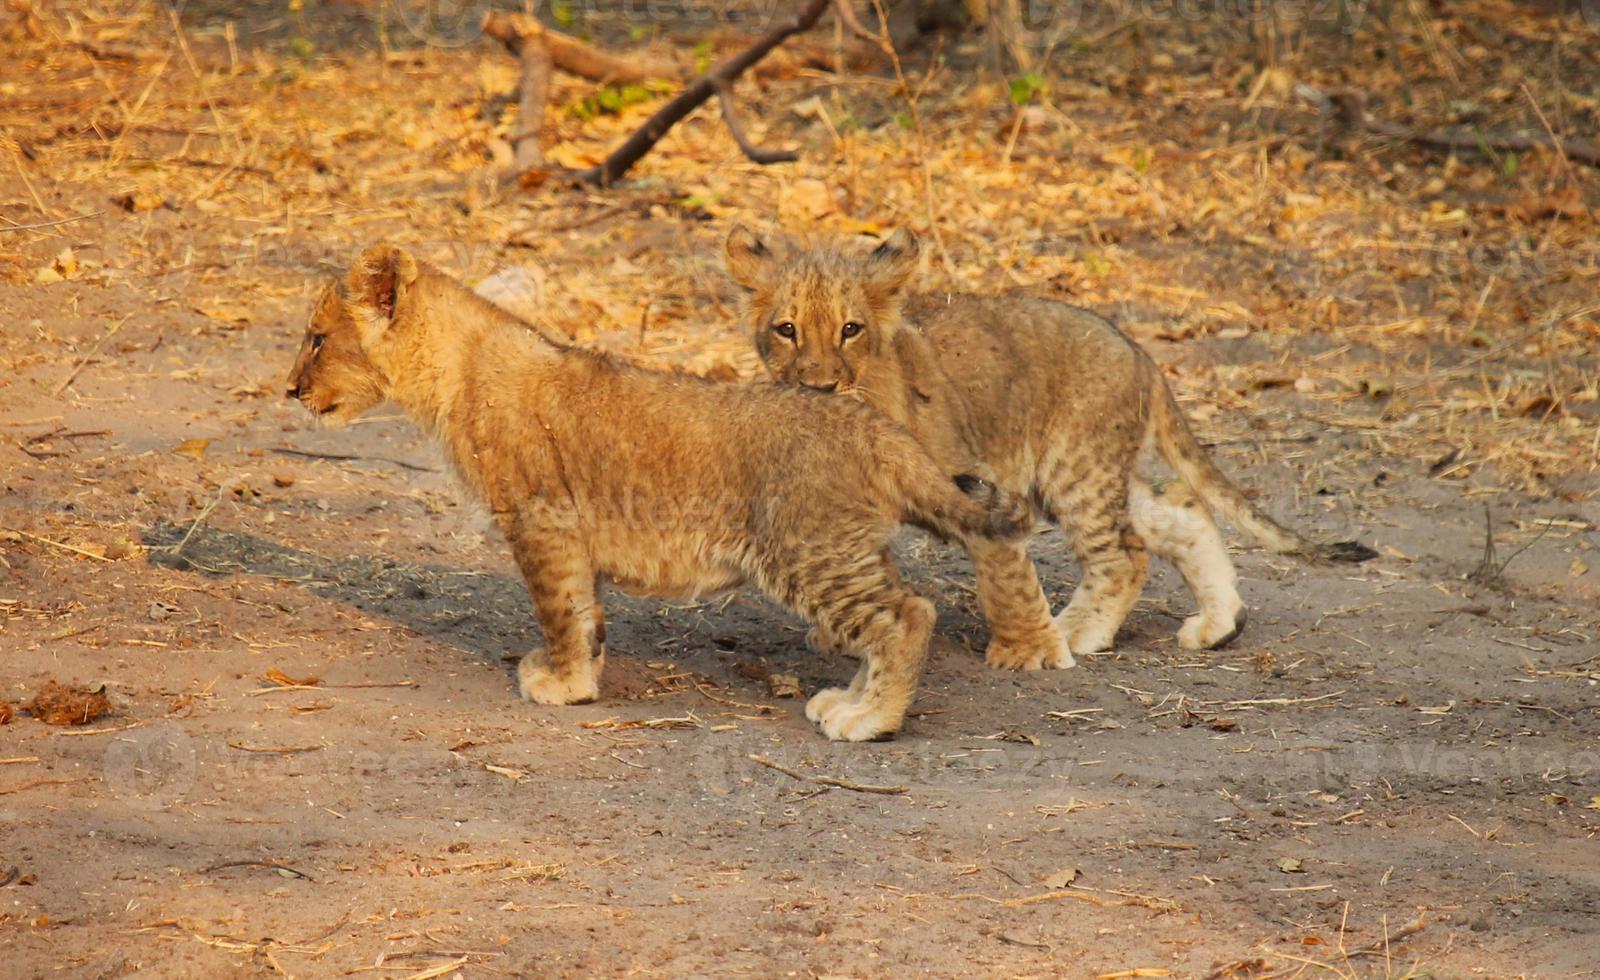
x=1411, y=302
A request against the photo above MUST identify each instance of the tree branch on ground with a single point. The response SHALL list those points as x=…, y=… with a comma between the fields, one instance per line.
x=730, y=116
x=1350, y=108
x=519, y=32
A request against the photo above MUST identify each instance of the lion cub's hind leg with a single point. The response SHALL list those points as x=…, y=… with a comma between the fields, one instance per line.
x=1093, y=511
x=1022, y=635
x=566, y=670
x=858, y=602
x=1176, y=525
x=894, y=642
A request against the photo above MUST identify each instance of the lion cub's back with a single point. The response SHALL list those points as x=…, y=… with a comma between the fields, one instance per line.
x=1034, y=369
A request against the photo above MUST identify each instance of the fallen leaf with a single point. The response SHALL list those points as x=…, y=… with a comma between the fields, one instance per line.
x=7, y=712
x=1578, y=568
x=281, y=480
x=1291, y=866
x=193, y=448
x=1593, y=804
x=783, y=686
x=809, y=198
x=1060, y=879
x=63, y=266
x=1555, y=799
x=137, y=202
x=63, y=704
x=278, y=677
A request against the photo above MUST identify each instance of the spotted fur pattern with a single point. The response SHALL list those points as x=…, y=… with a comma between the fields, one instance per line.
x=1049, y=401
x=664, y=484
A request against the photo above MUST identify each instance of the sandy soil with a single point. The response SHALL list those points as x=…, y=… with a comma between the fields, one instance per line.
x=1395, y=771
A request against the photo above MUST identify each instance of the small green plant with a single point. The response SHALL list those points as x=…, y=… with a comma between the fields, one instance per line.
x=1141, y=161
x=302, y=48
x=702, y=56
x=610, y=100
x=1509, y=165
x=904, y=120
x=563, y=14
x=1025, y=87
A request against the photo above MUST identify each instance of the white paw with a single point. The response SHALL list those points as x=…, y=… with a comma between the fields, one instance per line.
x=1045, y=650
x=543, y=686
x=825, y=701
x=854, y=721
x=1210, y=632
x=1083, y=634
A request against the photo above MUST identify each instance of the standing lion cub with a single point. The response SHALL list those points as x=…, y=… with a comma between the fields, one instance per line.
x=665, y=484
x=1052, y=402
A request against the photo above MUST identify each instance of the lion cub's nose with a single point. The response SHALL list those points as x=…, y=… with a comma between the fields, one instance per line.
x=294, y=392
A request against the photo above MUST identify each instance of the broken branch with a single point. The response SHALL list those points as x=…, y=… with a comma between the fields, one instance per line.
x=695, y=94
x=831, y=781
x=730, y=115
x=1351, y=109
x=519, y=31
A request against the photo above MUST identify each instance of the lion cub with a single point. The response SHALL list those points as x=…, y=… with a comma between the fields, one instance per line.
x=665, y=484
x=1050, y=401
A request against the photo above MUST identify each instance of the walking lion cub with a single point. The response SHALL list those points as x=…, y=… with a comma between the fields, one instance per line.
x=665, y=484
x=1048, y=400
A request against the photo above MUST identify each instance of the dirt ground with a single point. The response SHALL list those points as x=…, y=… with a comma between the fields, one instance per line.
x=316, y=763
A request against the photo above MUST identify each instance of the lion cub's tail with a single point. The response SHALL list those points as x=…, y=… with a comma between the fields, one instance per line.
x=1194, y=466
x=968, y=507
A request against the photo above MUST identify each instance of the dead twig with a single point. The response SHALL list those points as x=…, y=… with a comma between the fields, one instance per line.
x=268, y=865
x=730, y=116
x=83, y=361
x=1351, y=110
x=52, y=224
x=644, y=139
x=831, y=781
x=34, y=783
x=351, y=457
x=56, y=544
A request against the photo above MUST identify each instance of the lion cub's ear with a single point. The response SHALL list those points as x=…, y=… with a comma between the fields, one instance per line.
x=749, y=260
x=891, y=265
x=378, y=278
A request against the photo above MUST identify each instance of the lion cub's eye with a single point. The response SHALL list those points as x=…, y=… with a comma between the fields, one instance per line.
x=851, y=329
x=317, y=340
x=784, y=330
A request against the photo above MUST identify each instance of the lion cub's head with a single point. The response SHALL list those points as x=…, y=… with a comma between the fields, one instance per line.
x=822, y=318
x=339, y=372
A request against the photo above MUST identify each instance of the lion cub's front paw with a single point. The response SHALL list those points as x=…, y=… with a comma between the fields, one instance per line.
x=543, y=686
x=1044, y=650
x=1083, y=634
x=1210, y=632
x=844, y=720
x=824, y=701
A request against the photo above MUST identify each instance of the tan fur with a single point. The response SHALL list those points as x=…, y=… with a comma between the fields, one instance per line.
x=664, y=484
x=1047, y=400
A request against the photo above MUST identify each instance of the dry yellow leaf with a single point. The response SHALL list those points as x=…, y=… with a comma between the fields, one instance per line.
x=193, y=448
